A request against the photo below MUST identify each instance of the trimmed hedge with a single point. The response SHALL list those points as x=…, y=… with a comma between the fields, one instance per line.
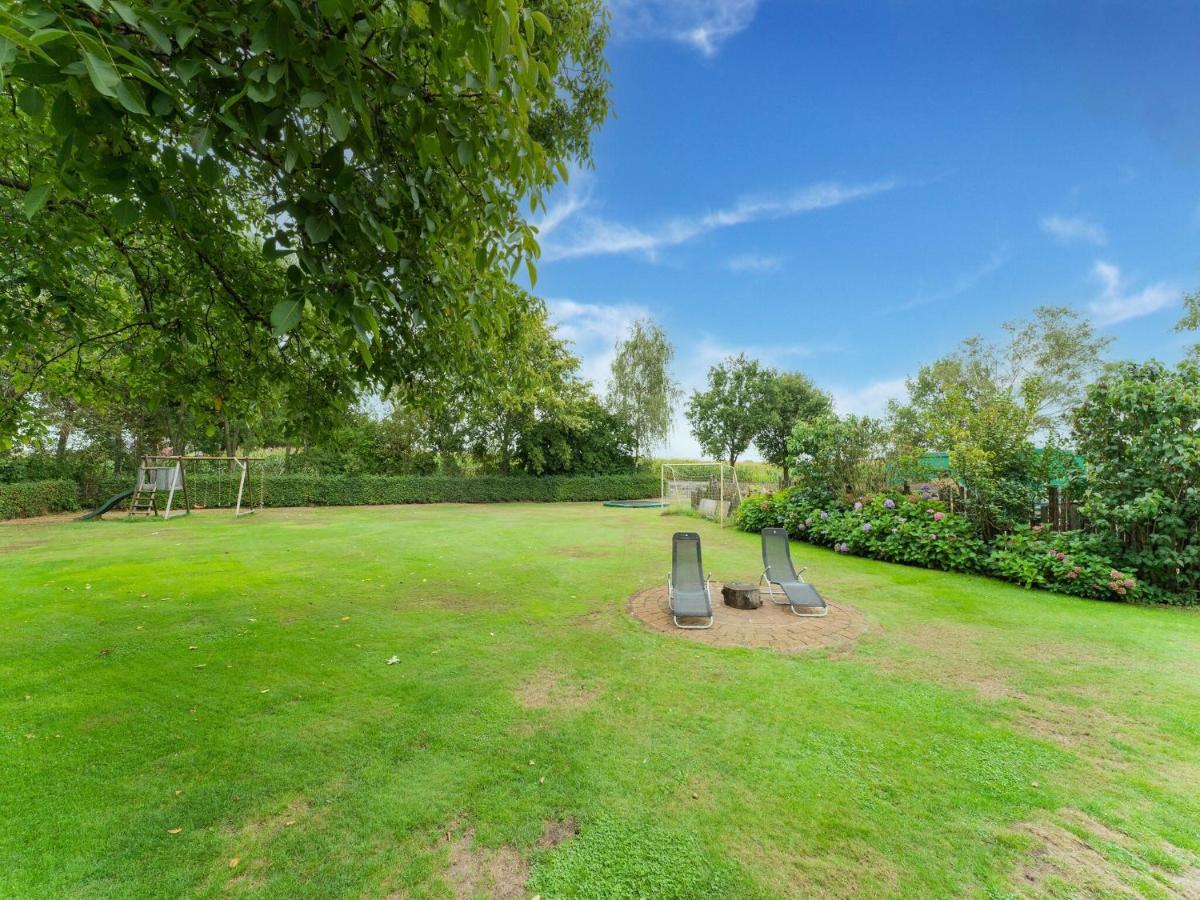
x=370, y=490
x=38, y=498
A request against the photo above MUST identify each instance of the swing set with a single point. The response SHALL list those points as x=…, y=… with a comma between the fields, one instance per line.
x=168, y=476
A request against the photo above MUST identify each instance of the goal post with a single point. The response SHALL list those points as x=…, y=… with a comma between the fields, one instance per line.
x=705, y=489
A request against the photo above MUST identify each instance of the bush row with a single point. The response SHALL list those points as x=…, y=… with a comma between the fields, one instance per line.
x=367, y=490
x=923, y=532
x=38, y=498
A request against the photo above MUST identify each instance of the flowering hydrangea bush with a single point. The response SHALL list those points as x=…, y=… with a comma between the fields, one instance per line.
x=919, y=531
x=1071, y=562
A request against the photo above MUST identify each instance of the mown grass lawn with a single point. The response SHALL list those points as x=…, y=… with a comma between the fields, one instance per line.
x=175, y=697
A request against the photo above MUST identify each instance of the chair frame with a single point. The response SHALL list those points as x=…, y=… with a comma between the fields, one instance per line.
x=671, y=589
x=798, y=576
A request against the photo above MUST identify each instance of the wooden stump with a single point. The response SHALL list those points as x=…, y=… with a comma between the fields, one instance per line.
x=741, y=595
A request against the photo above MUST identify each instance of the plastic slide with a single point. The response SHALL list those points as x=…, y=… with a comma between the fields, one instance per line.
x=107, y=505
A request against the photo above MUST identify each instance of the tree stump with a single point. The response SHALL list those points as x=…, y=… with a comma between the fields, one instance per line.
x=741, y=595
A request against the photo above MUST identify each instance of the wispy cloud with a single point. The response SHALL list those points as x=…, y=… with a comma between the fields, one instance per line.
x=870, y=399
x=701, y=24
x=961, y=285
x=594, y=329
x=753, y=262
x=1116, y=304
x=1074, y=228
x=591, y=235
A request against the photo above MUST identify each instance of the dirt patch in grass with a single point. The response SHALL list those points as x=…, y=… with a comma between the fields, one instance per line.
x=554, y=832
x=1070, y=854
x=501, y=872
x=547, y=689
x=479, y=871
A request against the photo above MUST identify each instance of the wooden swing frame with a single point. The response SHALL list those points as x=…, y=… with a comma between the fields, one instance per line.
x=181, y=484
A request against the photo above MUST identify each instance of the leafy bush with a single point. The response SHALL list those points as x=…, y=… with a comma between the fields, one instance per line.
x=1139, y=430
x=919, y=531
x=366, y=490
x=37, y=498
x=1070, y=562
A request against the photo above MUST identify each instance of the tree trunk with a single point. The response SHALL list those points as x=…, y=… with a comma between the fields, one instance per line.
x=785, y=480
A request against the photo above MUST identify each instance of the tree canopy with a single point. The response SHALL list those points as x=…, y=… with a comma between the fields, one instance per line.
x=323, y=192
x=726, y=417
x=641, y=392
x=790, y=398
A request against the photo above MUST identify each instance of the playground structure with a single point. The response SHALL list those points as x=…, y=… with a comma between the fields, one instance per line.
x=168, y=477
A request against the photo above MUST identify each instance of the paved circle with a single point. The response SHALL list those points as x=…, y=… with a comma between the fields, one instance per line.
x=770, y=626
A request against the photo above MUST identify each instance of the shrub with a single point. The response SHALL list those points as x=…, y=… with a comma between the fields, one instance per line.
x=37, y=498
x=1070, y=562
x=366, y=490
x=1139, y=430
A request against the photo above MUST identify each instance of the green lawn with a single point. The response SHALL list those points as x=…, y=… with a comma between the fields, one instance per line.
x=229, y=679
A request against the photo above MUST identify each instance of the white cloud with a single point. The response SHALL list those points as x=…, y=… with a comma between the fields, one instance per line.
x=593, y=329
x=1115, y=304
x=595, y=236
x=701, y=24
x=869, y=399
x=1077, y=228
x=753, y=262
x=961, y=285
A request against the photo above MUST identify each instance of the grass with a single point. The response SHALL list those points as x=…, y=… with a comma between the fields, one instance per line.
x=229, y=679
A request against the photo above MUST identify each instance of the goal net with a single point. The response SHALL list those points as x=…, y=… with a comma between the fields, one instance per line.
x=706, y=489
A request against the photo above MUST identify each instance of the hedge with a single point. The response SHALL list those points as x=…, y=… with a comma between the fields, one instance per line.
x=368, y=490
x=38, y=498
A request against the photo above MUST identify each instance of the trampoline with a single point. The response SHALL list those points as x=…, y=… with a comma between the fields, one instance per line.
x=636, y=504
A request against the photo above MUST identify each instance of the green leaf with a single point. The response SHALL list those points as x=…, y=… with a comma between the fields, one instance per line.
x=286, y=316
x=311, y=99
x=389, y=239
x=201, y=140
x=31, y=101
x=532, y=270
x=319, y=228
x=104, y=77
x=130, y=95
x=338, y=123
x=36, y=199
x=465, y=153
x=62, y=113
x=542, y=22
x=126, y=213
x=157, y=36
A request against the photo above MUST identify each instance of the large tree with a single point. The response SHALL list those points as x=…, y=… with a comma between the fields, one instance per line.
x=375, y=153
x=727, y=415
x=985, y=403
x=641, y=393
x=791, y=398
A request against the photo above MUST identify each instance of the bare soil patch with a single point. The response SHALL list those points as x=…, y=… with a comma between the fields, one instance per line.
x=500, y=872
x=770, y=627
x=1070, y=851
x=548, y=689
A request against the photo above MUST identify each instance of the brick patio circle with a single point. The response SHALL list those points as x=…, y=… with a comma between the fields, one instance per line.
x=771, y=627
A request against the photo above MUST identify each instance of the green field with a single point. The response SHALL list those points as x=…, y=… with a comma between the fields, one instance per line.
x=205, y=706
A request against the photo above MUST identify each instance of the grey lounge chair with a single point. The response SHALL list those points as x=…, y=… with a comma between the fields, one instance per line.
x=800, y=596
x=687, y=588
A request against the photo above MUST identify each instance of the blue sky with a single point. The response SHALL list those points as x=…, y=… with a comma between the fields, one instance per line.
x=850, y=189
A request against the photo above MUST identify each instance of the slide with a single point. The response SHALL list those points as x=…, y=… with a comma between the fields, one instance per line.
x=107, y=505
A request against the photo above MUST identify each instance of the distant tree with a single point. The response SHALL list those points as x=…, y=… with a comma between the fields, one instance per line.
x=842, y=456
x=585, y=438
x=791, y=398
x=640, y=392
x=727, y=416
x=1191, y=319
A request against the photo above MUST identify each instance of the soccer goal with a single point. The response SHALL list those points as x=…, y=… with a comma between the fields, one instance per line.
x=707, y=489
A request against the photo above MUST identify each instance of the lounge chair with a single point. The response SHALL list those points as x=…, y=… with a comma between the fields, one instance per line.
x=687, y=588
x=800, y=596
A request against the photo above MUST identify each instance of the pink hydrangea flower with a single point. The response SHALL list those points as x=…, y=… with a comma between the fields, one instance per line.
x=938, y=516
